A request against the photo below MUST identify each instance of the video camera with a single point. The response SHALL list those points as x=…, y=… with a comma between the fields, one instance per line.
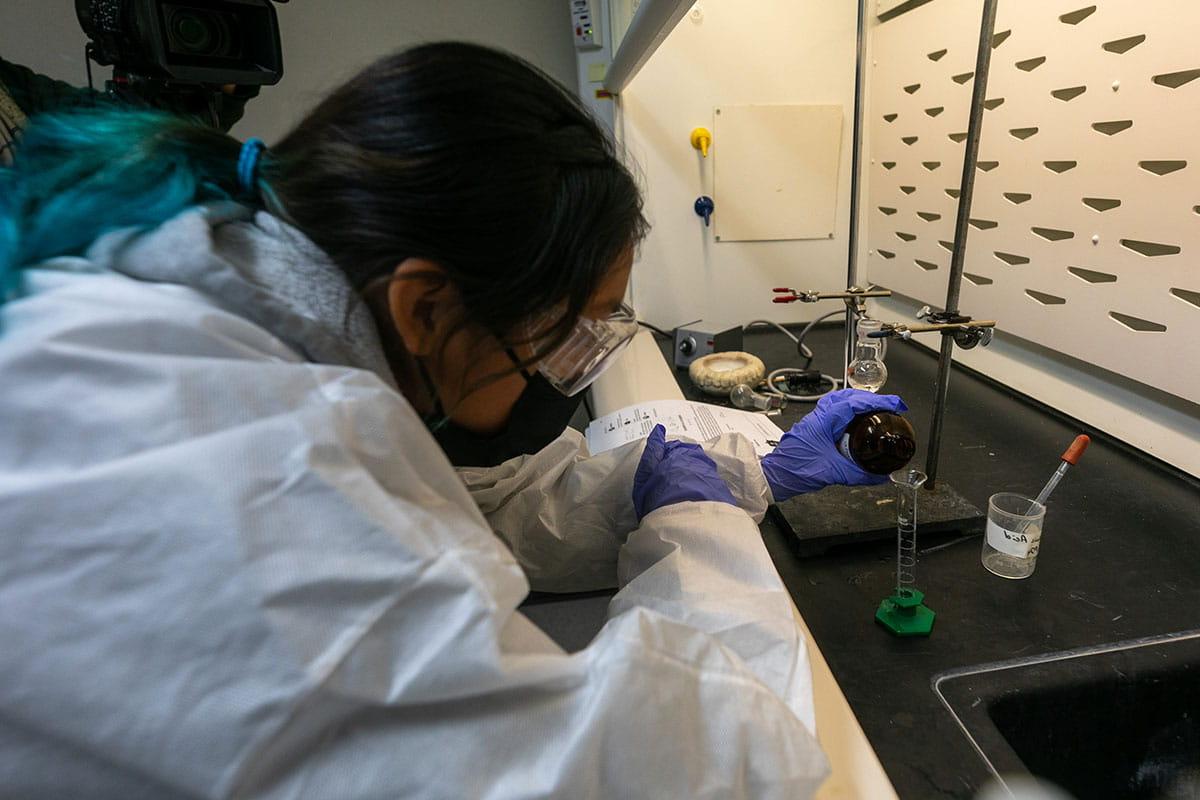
x=178, y=54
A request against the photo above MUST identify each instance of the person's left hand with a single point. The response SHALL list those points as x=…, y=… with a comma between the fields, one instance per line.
x=675, y=472
x=808, y=458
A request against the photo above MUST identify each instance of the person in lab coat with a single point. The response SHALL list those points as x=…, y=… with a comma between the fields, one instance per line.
x=234, y=559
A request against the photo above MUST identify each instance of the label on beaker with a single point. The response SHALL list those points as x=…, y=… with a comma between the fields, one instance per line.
x=1023, y=544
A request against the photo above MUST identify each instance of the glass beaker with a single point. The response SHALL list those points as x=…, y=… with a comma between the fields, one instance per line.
x=1014, y=535
x=867, y=371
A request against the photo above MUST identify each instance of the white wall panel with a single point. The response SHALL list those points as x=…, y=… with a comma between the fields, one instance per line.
x=1060, y=266
x=776, y=172
x=732, y=52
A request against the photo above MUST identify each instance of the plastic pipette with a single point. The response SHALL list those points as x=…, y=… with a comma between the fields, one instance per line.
x=1069, y=459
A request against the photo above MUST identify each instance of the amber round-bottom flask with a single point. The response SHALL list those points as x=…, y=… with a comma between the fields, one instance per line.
x=880, y=442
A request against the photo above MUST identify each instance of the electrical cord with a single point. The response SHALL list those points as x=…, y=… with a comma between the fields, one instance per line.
x=805, y=352
x=784, y=372
x=801, y=348
x=657, y=330
x=804, y=331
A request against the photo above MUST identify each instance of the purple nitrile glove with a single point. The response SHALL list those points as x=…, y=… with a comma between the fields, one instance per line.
x=808, y=458
x=675, y=472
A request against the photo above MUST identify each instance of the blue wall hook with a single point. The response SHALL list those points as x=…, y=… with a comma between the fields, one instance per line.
x=704, y=208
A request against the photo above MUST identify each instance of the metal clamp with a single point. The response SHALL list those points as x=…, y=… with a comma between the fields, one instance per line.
x=967, y=333
x=968, y=337
x=853, y=296
x=942, y=317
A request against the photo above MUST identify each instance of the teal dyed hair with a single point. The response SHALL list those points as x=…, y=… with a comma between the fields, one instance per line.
x=516, y=194
x=79, y=174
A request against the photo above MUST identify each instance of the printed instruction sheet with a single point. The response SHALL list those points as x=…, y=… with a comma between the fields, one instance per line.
x=683, y=419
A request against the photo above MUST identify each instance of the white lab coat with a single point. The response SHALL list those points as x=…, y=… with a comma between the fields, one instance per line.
x=233, y=563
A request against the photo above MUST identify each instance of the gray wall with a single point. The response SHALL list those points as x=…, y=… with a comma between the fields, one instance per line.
x=324, y=42
x=44, y=36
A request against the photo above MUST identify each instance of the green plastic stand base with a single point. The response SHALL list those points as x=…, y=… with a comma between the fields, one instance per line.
x=904, y=614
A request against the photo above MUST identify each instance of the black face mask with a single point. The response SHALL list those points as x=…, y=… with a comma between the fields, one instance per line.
x=539, y=417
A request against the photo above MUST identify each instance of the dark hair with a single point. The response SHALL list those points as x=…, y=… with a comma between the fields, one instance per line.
x=460, y=154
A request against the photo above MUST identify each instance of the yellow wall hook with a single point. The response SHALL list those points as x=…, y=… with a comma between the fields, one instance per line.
x=701, y=139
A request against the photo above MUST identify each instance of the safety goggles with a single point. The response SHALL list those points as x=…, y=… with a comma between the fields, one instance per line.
x=591, y=348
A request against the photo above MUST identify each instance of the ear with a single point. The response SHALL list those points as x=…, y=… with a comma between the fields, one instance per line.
x=420, y=299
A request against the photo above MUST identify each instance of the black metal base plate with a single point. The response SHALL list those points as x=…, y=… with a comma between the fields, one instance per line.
x=839, y=515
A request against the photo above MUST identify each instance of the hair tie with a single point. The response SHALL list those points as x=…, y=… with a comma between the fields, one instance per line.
x=248, y=164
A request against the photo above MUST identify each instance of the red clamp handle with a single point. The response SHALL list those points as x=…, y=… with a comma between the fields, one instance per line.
x=788, y=295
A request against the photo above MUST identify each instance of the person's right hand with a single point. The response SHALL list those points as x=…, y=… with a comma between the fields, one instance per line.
x=808, y=459
x=675, y=472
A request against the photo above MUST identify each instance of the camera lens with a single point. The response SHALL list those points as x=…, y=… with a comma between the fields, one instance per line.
x=199, y=32
x=192, y=33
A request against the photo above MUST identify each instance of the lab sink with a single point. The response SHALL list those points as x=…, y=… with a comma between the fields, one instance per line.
x=1113, y=721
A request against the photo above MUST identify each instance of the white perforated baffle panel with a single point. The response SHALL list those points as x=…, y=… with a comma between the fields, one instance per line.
x=1085, y=229
x=776, y=171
